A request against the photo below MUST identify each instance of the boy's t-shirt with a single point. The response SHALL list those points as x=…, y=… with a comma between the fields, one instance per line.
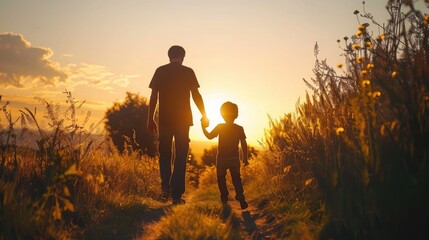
x=229, y=138
x=174, y=82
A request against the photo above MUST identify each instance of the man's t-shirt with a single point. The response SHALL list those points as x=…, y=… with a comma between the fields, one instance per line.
x=174, y=82
x=229, y=138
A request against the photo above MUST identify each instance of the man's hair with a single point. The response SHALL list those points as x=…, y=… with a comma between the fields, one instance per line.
x=176, y=52
x=229, y=109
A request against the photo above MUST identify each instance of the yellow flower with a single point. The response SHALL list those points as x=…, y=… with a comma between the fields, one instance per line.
x=356, y=46
x=359, y=33
x=359, y=59
x=364, y=72
x=426, y=20
x=393, y=74
x=366, y=83
x=340, y=65
x=369, y=66
x=381, y=37
x=368, y=44
x=376, y=94
x=361, y=27
x=339, y=130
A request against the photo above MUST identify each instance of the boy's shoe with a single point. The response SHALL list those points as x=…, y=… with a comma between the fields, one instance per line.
x=243, y=204
x=224, y=203
x=178, y=201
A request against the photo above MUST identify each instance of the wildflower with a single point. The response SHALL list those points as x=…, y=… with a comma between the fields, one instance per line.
x=359, y=59
x=426, y=20
x=364, y=72
x=100, y=178
x=339, y=130
x=362, y=27
x=356, y=46
x=340, y=65
x=369, y=66
x=382, y=36
x=359, y=33
x=346, y=38
x=308, y=181
x=368, y=44
x=356, y=12
x=376, y=94
x=66, y=191
x=366, y=83
x=393, y=74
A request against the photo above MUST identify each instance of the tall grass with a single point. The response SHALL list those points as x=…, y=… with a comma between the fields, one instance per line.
x=57, y=179
x=363, y=133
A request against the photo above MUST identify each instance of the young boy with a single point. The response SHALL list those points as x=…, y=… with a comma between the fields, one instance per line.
x=230, y=135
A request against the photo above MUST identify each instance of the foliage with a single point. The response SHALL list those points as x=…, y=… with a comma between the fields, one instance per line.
x=58, y=178
x=193, y=170
x=283, y=187
x=209, y=156
x=39, y=180
x=126, y=125
x=364, y=131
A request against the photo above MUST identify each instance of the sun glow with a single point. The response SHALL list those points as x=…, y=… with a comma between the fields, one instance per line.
x=212, y=106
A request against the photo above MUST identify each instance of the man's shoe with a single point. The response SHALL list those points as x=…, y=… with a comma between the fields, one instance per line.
x=178, y=201
x=243, y=204
x=164, y=195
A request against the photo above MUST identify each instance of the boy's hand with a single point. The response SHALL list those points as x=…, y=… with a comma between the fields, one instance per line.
x=205, y=122
x=246, y=163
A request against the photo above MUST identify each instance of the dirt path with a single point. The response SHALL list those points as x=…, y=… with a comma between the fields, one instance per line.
x=249, y=222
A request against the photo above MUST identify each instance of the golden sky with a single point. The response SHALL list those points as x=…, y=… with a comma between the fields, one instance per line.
x=254, y=53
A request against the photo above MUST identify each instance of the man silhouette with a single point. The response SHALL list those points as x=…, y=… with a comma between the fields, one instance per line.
x=172, y=86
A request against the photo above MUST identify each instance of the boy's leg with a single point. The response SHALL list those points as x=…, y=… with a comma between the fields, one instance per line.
x=236, y=181
x=221, y=181
x=181, y=139
x=238, y=185
x=165, y=139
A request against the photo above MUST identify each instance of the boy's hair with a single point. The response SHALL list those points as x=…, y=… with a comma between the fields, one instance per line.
x=229, y=109
x=176, y=52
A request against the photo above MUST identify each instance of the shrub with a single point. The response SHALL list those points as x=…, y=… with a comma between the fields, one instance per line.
x=126, y=125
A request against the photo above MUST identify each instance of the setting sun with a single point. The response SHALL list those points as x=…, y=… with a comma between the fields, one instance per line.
x=213, y=110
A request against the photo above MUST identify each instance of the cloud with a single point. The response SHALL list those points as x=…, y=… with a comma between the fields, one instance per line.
x=98, y=76
x=22, y=64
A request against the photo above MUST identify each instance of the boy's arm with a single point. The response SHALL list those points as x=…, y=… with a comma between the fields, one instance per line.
x=209, y=135
x=151, y=125
x=243, y=143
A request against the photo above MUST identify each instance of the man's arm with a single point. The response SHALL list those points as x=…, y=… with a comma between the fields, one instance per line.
x=151, y=125
x=243, y=143
x=198, y=100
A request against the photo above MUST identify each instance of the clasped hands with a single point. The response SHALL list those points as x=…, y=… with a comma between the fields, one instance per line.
x=205, y=122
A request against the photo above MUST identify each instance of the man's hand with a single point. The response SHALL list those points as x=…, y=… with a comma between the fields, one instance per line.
x=205, y=122
x=152, y=127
